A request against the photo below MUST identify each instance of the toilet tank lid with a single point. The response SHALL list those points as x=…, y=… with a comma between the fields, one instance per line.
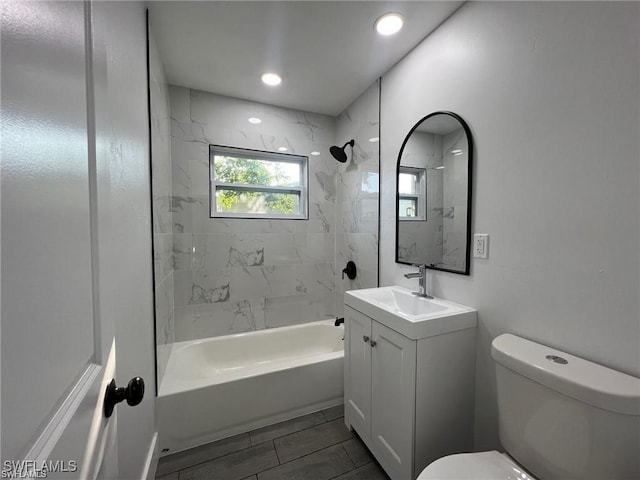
x=578, y=378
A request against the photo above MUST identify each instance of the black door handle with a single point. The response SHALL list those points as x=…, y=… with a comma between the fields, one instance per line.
x=133, y=394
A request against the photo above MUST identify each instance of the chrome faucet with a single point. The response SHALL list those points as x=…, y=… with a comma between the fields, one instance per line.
x=421, y=275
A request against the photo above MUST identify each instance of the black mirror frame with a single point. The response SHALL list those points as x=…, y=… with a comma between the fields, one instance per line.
x=467, y=131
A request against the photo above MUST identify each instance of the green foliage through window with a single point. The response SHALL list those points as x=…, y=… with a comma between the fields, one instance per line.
x=257, y=186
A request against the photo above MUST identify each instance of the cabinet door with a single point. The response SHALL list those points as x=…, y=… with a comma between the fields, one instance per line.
x=393, y=377
x=357, y=371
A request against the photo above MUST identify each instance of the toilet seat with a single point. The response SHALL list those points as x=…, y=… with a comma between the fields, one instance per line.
x=491, y=465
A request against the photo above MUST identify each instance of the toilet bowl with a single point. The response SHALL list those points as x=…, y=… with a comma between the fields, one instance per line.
x=474, y=466
x=554, y=411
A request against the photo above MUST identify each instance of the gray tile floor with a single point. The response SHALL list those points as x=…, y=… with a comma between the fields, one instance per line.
x=313, y=447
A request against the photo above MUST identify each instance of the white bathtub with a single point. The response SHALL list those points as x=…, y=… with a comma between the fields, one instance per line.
x=217, y=387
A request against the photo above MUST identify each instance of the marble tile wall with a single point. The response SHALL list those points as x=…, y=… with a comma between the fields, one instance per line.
x=161, y=206
x=357, y=195
x=237, y=275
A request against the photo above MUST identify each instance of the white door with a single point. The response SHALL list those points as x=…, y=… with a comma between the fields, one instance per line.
x=58, y=351
x=357, y=371
x=393, y=380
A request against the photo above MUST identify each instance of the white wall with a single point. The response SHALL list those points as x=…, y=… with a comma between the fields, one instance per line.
x=550, y=91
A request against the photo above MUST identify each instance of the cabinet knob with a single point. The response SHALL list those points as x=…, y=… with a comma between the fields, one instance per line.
x=365, y=338
x=373, y=343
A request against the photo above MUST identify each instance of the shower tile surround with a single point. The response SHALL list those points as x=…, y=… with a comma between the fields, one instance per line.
x=237, y=275
x=357, y=195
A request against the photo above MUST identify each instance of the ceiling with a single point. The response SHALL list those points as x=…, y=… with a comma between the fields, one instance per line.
x=327, y=52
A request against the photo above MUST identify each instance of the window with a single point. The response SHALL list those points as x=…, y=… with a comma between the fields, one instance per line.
x=254, y=184
x=412, y=192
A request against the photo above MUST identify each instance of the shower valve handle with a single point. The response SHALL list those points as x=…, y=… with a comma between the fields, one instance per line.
x=350, y=270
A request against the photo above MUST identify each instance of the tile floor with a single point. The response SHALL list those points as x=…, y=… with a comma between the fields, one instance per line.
x=317, y=446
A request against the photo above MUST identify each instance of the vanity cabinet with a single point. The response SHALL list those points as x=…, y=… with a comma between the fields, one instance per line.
x=410, y=400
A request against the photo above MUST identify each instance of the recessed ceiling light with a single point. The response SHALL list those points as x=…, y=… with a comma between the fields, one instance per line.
x=315, y=153
x=255, y=120
x=457, y=152
x=374, y=139
x=271, y=79
x=389, y=23
x=283, y=149
x=441, y=167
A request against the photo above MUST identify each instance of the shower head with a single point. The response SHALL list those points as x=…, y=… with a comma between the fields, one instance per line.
x=338, y=152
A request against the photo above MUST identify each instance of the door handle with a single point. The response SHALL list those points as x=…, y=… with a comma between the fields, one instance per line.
x=365, y=338
x=373, y=343
x=132, y=393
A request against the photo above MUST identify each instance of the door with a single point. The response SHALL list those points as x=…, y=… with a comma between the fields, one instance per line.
x=357, y=371
x=58, y=348
x=393, y=379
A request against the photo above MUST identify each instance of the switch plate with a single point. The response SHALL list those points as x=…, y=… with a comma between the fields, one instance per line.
x=481, y=245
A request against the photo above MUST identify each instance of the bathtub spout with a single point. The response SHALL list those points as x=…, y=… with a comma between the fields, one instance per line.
x=338, y=321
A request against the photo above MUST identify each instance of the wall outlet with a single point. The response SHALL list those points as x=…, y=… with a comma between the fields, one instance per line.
x=481, y=245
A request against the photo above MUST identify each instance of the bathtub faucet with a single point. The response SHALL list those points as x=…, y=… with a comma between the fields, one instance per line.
x=338, y=321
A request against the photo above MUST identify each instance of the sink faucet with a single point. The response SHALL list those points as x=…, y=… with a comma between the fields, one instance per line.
x=421, y=275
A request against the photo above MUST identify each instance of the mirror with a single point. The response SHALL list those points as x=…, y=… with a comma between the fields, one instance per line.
x=433, y=194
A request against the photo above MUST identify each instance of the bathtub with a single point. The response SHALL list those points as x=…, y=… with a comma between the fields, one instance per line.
x=217, y=387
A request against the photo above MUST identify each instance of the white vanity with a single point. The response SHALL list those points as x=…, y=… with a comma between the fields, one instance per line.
x=409, y=376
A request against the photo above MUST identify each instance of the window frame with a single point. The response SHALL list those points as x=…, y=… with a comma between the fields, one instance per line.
x=420, y=198
x=251, y=154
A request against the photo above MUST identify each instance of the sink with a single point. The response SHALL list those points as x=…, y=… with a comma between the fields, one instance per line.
x=413, y=316
x=403, y=302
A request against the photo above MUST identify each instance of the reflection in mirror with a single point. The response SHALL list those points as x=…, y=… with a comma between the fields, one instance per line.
x=412, y=193
x=433, y=197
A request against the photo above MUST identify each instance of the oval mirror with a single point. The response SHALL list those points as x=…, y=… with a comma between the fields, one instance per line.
x=433, y=194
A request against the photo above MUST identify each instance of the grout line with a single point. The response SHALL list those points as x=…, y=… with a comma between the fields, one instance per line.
x=217, y=458
x=275, y=450
x=289, y=433
x=208, y=459
x=348, y=456
x=302, y=429
x=273, y=445
x=319, y=450
x=352, y=470
x=306, y=455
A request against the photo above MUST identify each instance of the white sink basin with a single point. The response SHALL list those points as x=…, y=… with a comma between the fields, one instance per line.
x=413, y=316
x=402, y=302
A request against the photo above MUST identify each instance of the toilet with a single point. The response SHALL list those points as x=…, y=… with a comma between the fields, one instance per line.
x=560, y=418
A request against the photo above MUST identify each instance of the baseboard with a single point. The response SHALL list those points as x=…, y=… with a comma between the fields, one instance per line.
x=151, y=462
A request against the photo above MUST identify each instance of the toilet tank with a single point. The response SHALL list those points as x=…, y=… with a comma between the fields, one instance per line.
x=563, y=417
